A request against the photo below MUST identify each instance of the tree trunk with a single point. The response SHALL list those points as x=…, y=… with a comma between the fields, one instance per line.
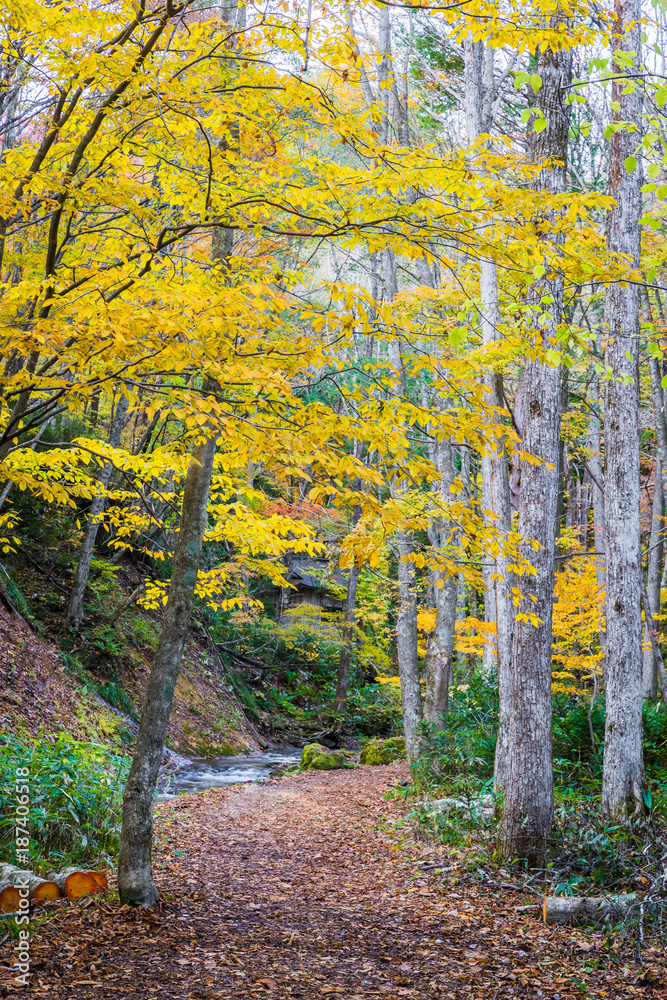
x=340, y=700
x=135, y=882
x=528, y=808
x=406, y=643
x=441, y=650
x=660, y=418
x=595, y=467
x=343, y=681
x=75, y=614
x=659, y=663
x=653, y=575
x=496, y=502
x=623, y=773
x=445, y=596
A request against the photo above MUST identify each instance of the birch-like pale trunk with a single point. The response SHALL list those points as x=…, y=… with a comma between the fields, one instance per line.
x=660, y=418
x=406, y=642
x=528, y=808
x=406, y=624
x=623, y=777
x=496, y=502
x=596, y=470
x=343, y=680
x=75, y=613
x=653, y=576
x=445, y=597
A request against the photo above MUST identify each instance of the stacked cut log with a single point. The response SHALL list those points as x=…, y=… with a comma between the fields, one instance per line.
x=72, y=883
x=75, y=882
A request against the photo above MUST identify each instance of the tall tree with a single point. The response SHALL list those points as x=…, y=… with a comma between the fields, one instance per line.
x=406, y=642
x=445, y=597
x=135, y=880
x=623, y=773
x=343, y=680
x=653, y=575
x=528, y=809
x=496, y=503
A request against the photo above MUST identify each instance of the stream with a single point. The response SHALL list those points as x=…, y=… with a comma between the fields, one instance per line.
x=198, y=773
x=216, y=772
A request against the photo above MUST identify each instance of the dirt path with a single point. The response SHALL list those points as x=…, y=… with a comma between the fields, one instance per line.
x=286, y=889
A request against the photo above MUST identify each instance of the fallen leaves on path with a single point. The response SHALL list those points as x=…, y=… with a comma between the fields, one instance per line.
x=297, y=889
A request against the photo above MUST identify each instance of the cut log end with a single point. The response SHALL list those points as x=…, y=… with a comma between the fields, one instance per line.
x=47, y=892
x=10, y=898
x=100, y=878
x=79, y=884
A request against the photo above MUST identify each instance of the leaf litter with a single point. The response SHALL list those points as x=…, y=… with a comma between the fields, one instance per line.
x=306, y=887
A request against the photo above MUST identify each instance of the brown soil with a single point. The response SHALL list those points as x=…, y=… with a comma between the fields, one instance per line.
x=37, y=693
x=308, y=887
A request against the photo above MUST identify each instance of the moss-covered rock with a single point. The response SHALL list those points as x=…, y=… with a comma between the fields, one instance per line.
x=318, y=758
x=383, y=751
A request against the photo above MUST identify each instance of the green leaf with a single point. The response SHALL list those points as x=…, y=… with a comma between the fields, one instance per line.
x=540, y=125
x=525, y=115
x=457, y=335
x=535, y=82
x=539, y=270
x=630, y=163
x=660, y=96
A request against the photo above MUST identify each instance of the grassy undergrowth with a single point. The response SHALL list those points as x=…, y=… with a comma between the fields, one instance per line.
x=587, y=856
x=76, y=792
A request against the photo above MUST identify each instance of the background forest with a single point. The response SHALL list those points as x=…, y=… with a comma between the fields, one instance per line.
x=332, y=371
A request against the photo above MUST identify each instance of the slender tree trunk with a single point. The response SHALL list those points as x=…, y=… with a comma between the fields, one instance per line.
x=445, y=596
x=496, y=502
x=595, y=466
x=406, y=643
x=342, y=685
x=135, y=881
x=75, y=614
x=653, y=575
x=441, y=650
x=406, y=625
x=623, y=773
x=658, y=397
x=528, y=809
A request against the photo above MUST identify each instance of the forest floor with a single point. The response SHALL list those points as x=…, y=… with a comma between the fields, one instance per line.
x=306, y=887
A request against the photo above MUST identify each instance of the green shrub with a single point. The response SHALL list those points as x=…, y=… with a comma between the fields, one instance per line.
x=374, y=710
x=655, y=738
x=383, y=751
x=460, y=759
x=76, y=794
x=115, y=694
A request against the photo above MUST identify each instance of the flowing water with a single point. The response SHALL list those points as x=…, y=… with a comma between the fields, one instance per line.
x=215, y=772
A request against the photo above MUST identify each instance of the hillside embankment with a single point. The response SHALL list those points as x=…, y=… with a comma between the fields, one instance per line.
x=45, y=689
